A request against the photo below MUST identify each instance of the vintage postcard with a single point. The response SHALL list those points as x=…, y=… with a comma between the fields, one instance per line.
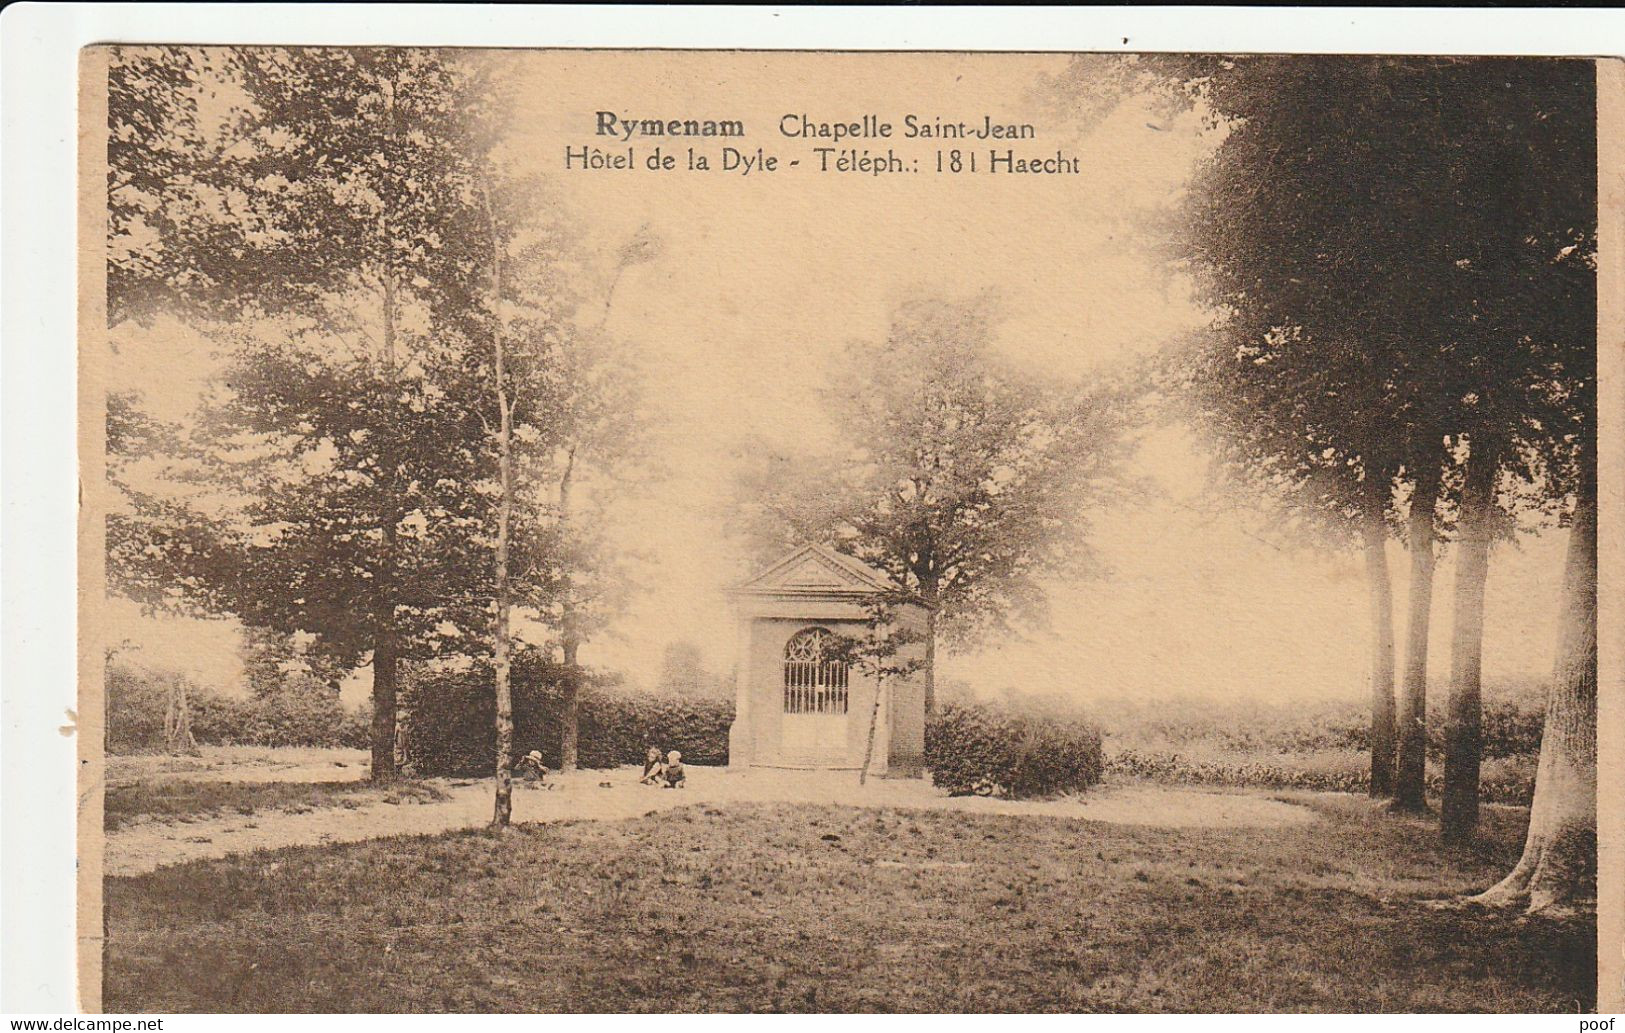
x=712, y=531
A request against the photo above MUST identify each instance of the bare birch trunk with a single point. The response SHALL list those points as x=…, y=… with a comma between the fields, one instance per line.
x=503, y=809
x=570, y=719
x=1559, y=859
x=385, y=652
x=1382, y=655
x=1463, y=745
x=1410, y=783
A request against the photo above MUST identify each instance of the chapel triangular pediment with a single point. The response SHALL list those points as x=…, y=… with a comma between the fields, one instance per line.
x=815, y=569
x=814, y=572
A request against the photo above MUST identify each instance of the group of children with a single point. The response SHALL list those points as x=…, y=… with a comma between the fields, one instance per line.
x=667, y=773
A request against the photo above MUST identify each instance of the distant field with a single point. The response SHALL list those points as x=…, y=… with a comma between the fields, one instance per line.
x=1317, y=746
x=1508, y=780
x=756, y=907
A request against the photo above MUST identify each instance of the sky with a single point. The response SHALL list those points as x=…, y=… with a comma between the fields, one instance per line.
x=763, y=278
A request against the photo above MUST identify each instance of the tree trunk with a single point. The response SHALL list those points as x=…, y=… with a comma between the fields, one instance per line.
x=930, y=662
x=183, y=719
x=1382, y=655
x=1410, y=783
x=178, y=719
x=869, y=746
x=1463, y=741
x=570, y=719
x=383, y=708
x=170, y=719
x=502, y=812
x=503, y=808
x=1560, y=851
x=385, y=650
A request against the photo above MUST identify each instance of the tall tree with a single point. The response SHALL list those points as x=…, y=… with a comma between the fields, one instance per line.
x=1559, y=860
x=500, y=647
x=1410, y=775
x=160, y=251
x=1305, y=380
x=1272, y=405
x=302, y=455
x=1397, y=295
x=600, y=440
x=372, y=161
x=1523, y=137
x=332, y=194
x=1539, y=148
x=530, y=375
x=1374, y=545
x=966, y=480
x=523, y=315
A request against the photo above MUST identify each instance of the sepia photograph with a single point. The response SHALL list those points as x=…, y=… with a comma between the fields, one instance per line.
x=711, y=531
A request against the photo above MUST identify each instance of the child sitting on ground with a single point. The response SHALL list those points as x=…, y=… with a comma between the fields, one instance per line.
x=674, y=774
x=531, y=768
x=652, y=767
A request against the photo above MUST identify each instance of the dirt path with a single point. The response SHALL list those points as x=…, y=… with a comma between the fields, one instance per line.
x=613, y=795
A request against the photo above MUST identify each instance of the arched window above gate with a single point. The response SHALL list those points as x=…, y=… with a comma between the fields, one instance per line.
x=815, y=677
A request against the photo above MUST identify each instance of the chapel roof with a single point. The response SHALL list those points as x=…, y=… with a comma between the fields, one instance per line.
x=817, y=570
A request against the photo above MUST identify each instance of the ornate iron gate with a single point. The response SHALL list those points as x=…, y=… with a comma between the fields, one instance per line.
x=815, y=682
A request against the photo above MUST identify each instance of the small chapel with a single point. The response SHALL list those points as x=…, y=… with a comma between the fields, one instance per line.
x=799, y=704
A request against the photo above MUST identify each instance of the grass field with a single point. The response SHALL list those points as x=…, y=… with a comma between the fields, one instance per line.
x=184, y=800
x=763, y=907
x=242, y=763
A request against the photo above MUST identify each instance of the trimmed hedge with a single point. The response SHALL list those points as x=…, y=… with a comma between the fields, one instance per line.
x=451, y=727
x=989, y=751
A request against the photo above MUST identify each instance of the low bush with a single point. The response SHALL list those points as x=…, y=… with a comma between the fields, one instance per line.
x=219, y=720
x=355, y=731
x=136, y=701
x=303, y=712
x=450, y=721
x=1510, y=728
x=995, y=751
